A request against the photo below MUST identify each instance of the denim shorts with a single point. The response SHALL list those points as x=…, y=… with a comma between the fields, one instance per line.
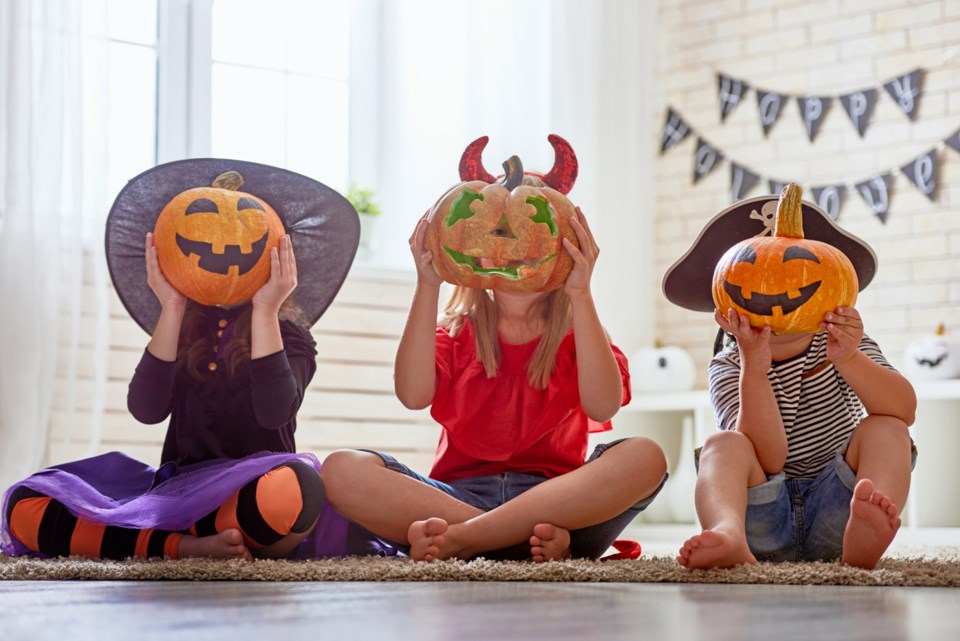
x=487, y=492
x=802, y=519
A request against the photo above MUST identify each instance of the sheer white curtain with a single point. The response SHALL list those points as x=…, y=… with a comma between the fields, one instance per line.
x=47, y=242
x=517, y=70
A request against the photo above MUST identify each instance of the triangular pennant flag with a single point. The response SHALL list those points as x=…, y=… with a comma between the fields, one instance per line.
x=859, y=106
x=905, y=90
x=922, y=172
x=876, y=192
x=776, y=186
x=730, y=92
x=742, y=180
x=674, y=131
x=830, y=198
x=705, y=160
x=954, y=141
x=769, y=106
x=813, y=109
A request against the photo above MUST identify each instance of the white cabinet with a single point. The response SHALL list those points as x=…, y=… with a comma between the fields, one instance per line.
x=934, y=500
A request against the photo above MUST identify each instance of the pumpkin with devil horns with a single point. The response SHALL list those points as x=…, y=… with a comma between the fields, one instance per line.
x=505, y=234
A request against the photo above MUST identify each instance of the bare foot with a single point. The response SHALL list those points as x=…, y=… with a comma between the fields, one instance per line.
x=715, y=549
x=425, y=539
x=223, y=545
x=549, y=543
x=871, y=528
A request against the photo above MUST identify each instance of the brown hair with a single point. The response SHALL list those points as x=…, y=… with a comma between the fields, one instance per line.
x=198, y=339
x=478, y=305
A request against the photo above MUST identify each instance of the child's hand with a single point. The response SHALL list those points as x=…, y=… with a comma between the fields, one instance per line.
x=584, y=258
x=845, y=331
x=422, y=257
x=283, y=278
x=754, y=344
x=164, y=291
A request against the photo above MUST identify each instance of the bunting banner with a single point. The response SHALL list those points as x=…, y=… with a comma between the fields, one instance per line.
x=875, y=190
x=731, y=91
x=705, y=159
x=674, y=131
x=859, y=104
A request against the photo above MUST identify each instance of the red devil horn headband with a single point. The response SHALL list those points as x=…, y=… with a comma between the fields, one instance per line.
x=561, y=177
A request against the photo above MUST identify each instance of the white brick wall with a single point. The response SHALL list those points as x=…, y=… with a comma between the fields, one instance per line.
x=823, y=47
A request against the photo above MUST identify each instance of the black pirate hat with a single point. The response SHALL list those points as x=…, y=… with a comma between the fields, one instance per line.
x=322, y=224
x=689, y=281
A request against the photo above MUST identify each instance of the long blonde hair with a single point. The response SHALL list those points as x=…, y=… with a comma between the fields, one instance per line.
x=478, y=305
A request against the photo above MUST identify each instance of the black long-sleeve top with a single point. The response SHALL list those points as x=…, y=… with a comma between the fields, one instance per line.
x=223, y=416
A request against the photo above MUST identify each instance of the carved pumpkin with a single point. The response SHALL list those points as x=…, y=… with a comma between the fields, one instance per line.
x=505, y=235
x=784, y=280
x=933, y=358
x=213, y=243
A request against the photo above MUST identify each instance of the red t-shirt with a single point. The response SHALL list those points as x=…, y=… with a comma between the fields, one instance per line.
x=503, y=424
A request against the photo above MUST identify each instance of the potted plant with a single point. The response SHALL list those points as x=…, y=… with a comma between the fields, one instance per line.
x=362, y=199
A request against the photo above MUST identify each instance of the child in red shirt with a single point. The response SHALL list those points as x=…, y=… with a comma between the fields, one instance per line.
x=517, y=380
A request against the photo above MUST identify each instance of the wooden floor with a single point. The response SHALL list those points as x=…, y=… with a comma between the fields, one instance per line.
x=142, y=611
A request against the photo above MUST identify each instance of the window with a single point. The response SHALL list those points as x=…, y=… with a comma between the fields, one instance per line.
x=260, y=81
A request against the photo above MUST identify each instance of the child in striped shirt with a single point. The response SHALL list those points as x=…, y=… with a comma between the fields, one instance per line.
x=813, y=457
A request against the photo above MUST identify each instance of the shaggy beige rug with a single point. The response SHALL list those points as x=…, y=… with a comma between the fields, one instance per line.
x=929, y=571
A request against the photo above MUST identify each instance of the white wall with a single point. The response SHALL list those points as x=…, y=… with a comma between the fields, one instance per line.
x=826, y=47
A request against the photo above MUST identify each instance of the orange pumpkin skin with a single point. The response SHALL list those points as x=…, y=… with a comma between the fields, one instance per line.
x=784, y=280
x=213, y=243
x=517, y=232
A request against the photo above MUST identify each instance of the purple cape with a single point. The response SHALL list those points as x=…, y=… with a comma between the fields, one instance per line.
x=118, y=490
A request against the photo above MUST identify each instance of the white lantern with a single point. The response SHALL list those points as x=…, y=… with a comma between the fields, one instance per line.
x=662, y=369
x=932, y=358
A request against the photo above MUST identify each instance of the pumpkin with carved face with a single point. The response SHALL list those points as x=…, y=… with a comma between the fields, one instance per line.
x=213, y=243
x=505, y=235
x=784, y=281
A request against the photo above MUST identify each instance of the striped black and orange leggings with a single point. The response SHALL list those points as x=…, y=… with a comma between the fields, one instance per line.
x=286, y=500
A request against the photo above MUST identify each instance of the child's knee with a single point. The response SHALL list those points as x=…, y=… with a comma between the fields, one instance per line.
x=724, y=441
x=290, y=498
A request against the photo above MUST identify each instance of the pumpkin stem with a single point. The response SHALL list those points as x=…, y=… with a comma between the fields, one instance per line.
x=941, y=330
x=789, y=212
x=513, y=175
x=231, y=180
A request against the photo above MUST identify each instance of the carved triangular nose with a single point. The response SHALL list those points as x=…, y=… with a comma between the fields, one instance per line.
x=502, y=229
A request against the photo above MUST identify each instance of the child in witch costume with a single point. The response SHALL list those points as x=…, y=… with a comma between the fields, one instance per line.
x=230, y=373
x=516, y=377
x=813, y=459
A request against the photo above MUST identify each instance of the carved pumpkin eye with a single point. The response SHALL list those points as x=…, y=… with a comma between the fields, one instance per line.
x=746, y=254
x=795, y=252
x=249, y=203
x=460, y=210
x=544, y=213
x=202, y=206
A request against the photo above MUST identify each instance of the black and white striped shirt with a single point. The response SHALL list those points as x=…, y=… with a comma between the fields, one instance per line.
x=818, y=408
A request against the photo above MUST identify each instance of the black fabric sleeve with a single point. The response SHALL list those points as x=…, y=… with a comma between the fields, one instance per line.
x=150, y=394
x=278, y=381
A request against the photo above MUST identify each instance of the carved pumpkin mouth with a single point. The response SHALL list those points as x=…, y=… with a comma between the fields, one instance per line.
x=763, y=304
x=931, y=362
x=510, y=270
x=232, y=256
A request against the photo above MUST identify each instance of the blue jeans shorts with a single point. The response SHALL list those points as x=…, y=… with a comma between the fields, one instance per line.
x=490, y=491
x=802, y=519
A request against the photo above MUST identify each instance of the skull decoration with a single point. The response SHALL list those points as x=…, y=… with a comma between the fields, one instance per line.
x=505, y=235
x=213, y=243
x=784, y=280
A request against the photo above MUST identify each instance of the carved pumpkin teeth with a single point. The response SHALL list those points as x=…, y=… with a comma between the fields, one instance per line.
x=228, y=257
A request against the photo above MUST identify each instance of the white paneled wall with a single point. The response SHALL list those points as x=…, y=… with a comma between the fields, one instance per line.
x=825, y=47
x=350, y=402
